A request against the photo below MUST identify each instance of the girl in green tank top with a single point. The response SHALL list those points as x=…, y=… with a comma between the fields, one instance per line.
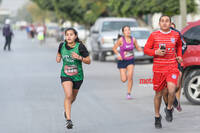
x=72, y=68
x=72, y=71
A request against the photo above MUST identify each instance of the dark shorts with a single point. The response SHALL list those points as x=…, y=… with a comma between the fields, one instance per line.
x=180, y=68
x=125, y=63
x=76, y=84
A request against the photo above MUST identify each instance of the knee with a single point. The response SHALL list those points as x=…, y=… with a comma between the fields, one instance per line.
x=158, y=96
x=68, y=97
x=123, y=79
x=171, y=88
x=171, y=93
x=130, y=78
x=165, y=92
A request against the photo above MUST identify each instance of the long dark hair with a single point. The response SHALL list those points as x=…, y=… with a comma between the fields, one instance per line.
x=125, y=27
x=76, y=33
x=123, y=30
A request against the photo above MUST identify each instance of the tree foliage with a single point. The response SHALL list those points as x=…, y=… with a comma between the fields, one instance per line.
x=31, y=12
x=87, y=11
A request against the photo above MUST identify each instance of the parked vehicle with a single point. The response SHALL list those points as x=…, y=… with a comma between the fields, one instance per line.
x=104, y=31
x=191, y=62
x=60, y=35
x=52, y=29
x=82, y=32
x=87, y=44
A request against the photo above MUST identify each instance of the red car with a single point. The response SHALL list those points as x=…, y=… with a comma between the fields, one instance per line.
x=191, y=62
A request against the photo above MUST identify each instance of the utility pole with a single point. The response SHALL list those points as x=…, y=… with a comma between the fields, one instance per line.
x=183, y=11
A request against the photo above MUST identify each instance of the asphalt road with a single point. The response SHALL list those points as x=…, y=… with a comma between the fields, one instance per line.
x=31, y=98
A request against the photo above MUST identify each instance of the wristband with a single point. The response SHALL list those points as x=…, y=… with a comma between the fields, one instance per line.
x=81, y=58
x=118, y=55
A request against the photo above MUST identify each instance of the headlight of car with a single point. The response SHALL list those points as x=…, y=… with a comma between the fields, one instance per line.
x=105, y=40
x=102, y=40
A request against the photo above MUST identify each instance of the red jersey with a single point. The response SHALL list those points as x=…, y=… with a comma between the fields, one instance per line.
x=173, y=44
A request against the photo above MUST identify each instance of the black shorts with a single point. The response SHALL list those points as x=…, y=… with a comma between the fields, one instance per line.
x=125, y=63
x=180, y=68
x=76, y=84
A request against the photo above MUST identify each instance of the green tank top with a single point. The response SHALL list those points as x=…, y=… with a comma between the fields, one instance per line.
x=71, y=68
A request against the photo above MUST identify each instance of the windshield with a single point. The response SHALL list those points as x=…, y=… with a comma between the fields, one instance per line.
x=117, y=25
x=81, y=28
x=140, y=34
x=192, y=36
x=52, y=27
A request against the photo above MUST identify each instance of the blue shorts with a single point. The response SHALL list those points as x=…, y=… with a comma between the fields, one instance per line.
x=125, y=63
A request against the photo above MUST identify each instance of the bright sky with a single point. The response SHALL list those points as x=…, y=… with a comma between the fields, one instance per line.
x=12, y=5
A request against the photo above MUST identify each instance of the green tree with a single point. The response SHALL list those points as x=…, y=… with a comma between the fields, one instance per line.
x=87, y=11
x=24, y=14
x=94, y=9
x=138, y=8
x=82, y=11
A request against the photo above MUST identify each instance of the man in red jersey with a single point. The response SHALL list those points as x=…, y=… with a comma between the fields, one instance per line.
x=166, y=47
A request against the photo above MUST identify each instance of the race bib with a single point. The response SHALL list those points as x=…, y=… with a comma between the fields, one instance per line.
x=128, y=54
x=71, y=70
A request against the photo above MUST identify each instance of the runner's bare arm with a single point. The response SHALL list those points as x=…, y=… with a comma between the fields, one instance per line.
x=136, y=45
x=86, y=60
x=117, y=44
x=58, y=58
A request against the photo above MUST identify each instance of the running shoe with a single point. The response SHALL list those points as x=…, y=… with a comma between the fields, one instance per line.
x=179, y=109
x=169, y=115
x=128, y=96
x=172, y=108
x=69, y=124
x=158, y=123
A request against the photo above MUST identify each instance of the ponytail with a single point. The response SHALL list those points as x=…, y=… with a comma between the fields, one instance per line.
x=78, y=40
x=119, y=36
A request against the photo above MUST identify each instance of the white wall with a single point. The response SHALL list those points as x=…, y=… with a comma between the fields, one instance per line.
x=177, y=19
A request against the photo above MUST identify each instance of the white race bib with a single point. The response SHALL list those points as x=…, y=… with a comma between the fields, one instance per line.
x=71, y=70
x=128, y=54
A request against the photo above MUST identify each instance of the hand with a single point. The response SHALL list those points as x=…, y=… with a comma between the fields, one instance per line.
x=119, y=57
x=140, y=49
x=58, y=58
x=76, y=56
x=160, y=52
x=179, y=59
